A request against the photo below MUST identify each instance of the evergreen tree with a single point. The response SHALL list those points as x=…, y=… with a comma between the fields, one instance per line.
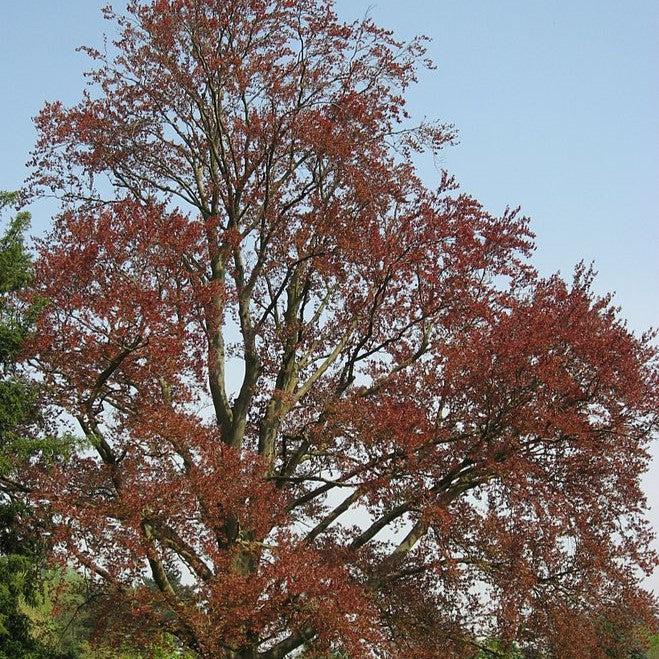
x=18, y=564
x=20, y=553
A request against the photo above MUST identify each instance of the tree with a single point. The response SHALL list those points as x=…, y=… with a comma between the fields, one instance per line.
x=22, y=439
x=18, y=550
x=339, y=407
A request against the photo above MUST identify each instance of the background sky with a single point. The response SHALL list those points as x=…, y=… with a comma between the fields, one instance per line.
x=556, y=103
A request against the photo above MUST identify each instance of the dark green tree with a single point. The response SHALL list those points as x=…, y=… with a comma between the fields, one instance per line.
x=20, y=551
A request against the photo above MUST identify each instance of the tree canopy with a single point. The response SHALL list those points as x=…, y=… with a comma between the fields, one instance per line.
x=326, y=407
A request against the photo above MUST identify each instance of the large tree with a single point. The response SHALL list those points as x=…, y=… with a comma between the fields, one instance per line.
x=327, y=408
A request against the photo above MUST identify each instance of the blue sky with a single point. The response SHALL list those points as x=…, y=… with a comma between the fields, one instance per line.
x=556, y=102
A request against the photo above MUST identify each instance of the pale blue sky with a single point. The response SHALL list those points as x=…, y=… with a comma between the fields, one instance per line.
x=556, y=101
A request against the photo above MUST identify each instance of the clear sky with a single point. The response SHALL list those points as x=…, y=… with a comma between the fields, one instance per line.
x=556, y=101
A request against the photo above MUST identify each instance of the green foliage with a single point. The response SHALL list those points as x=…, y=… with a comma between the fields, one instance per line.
x=16, y=581
x=495, y=649
x=653, y=651
x=15, y=262
x=17, y=400
x=63, y=619
x=58, y=615
x=20, y=571
x=18, y=404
